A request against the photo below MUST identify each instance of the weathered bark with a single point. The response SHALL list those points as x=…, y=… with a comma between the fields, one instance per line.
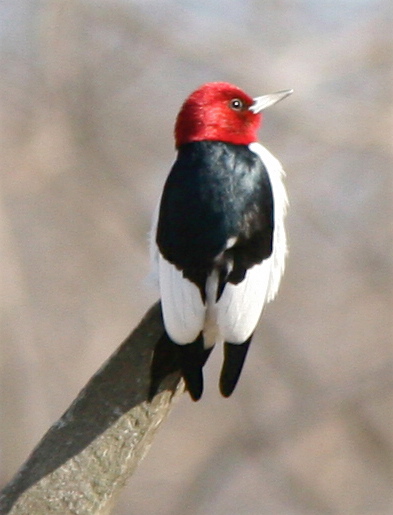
x=88, y=454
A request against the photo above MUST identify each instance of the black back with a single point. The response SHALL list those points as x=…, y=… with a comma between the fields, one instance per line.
x=216, y=191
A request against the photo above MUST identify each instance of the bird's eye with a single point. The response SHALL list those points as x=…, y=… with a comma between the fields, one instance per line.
x=236, y=104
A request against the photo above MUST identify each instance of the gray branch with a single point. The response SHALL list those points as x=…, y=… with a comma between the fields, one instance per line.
x=89, y=453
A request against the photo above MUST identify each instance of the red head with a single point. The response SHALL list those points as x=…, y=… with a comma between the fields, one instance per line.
x=222, y=112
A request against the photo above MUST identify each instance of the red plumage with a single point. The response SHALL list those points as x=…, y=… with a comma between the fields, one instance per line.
x=209, y=114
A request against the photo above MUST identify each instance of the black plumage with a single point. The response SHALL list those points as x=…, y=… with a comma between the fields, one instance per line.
x=216, y=191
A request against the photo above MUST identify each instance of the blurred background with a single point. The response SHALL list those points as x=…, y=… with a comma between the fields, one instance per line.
x=89, y=91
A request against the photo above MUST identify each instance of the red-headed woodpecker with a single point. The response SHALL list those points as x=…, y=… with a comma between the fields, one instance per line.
x=218, y=237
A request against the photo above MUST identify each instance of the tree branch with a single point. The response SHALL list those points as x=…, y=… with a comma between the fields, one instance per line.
x=88, y=454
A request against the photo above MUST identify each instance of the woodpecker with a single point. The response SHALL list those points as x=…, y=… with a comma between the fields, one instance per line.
x=218, y=238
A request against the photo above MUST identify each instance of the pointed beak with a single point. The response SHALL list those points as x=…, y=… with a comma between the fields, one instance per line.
x=261, y=103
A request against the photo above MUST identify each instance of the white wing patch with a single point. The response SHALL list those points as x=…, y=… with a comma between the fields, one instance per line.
x=240, y=305
x=182, y=306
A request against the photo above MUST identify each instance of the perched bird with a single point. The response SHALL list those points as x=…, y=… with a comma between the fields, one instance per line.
x=218, y=237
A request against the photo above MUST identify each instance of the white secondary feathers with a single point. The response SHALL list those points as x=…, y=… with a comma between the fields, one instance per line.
x=234, y=317
x=240, y=305
x=182, y=306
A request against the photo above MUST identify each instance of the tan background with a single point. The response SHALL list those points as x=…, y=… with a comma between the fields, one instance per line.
x=89, y=93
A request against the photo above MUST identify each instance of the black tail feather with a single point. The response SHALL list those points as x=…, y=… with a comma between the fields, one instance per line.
x=170, y=357
x=192, y=358
x=234, y=356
